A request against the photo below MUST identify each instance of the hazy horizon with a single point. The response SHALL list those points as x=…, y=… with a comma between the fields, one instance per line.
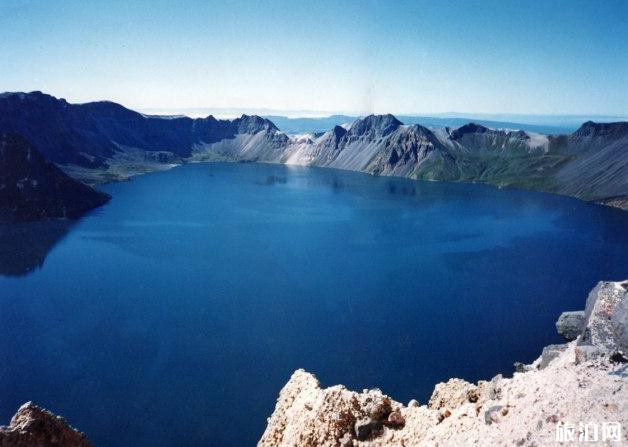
x=196, y=112
x=557, y=120
x=349, y=57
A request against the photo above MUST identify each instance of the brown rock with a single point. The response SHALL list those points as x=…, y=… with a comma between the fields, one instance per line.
x=396, y=419
x=33, y=426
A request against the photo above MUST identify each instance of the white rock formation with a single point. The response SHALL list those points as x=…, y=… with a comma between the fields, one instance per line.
x=541, y=406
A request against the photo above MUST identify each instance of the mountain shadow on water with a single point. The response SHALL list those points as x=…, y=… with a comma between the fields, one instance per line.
x=25, y=246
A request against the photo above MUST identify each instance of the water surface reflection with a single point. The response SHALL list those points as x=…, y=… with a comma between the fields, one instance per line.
x=24, y=246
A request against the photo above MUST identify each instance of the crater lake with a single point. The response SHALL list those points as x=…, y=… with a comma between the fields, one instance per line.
x=175, y=314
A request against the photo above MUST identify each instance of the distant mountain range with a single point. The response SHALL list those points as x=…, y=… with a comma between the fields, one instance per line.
x=104, y=141
x=314, y=125
x=308, y=121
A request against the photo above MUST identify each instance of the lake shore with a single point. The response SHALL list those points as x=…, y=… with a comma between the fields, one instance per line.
x=128, y=166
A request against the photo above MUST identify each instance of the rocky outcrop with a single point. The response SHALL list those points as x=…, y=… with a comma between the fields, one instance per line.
x=32, y=188
x=452, y=394
x=309, y=415
x=546, y=399
x=619, y=325
x=605, y=316
x=33, y=426
x=570, y=324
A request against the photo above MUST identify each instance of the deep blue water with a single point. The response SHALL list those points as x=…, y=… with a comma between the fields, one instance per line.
x=175, y=314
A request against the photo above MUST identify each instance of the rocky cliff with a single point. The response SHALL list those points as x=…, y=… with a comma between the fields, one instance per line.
x=32, y=188
x=571, y=390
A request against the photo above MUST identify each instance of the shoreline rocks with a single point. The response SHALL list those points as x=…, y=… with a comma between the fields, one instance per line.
x=564, y=387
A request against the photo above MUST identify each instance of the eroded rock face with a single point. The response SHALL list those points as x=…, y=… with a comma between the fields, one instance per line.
x=452, y=394
x=33, y=426
x=307, y=415
x=561, y=387
x=524, y=410
x=604, y=310
x=550, y=353
x=619, y=322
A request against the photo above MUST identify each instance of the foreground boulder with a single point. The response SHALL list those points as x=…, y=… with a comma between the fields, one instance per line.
x=33, y=426
x=619, y=324
x=32, y=188
x=556, y=392
x=605, y=305
x=570, y=324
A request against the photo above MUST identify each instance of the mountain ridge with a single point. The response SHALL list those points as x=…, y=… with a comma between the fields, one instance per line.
x=293, y=125
x=87, y=134
x=105, y=141
x=32, y=188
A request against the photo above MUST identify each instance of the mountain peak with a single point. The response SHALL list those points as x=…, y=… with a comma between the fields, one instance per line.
x=379, y=125
x=338, y=132
x=252, y=124
x=468, y=128
x=591, y=128
x=35, y=95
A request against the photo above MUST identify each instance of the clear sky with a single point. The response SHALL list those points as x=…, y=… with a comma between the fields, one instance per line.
x=544, y=57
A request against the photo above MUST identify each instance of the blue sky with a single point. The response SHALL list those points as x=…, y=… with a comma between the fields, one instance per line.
x=545, y=57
